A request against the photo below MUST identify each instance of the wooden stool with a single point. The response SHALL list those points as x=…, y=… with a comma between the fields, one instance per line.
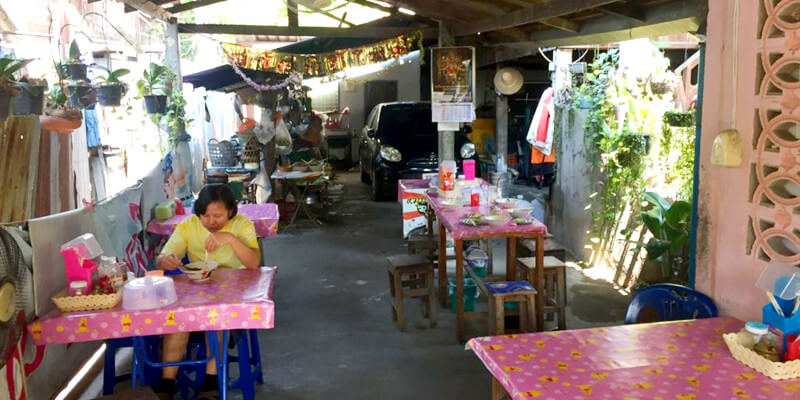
x=551, y=248
x=501, y=292
x=555, y=285
x=411, y=276
x=424, y=245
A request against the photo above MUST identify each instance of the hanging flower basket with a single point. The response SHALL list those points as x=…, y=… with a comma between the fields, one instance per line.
x=30, y=100
x=82, y=96
x=59, y=124
x=110, y=95
x=155, y=103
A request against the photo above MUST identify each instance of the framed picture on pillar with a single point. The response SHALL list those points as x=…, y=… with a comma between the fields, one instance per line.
x=453, y=84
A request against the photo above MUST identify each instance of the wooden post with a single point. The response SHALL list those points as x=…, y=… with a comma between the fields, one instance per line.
x=172, y=53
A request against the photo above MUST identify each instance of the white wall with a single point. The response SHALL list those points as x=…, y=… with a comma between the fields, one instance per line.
x=408, y=89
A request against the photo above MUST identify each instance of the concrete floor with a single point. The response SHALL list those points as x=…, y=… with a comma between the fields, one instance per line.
x=334, y=337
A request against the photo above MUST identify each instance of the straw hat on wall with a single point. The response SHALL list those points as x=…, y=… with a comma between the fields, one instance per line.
x=508, y=81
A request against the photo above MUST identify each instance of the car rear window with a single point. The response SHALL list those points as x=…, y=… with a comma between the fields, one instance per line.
x=407, y=120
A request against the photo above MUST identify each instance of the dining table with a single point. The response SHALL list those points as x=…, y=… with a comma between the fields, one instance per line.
x=232, y=299
x=676, y=360
x=265, y=217
x=450, y=222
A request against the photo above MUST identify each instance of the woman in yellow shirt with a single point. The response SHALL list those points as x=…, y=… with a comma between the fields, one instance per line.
x=229, y=239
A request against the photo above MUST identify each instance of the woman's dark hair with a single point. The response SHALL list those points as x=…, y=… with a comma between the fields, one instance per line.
x=215, y=192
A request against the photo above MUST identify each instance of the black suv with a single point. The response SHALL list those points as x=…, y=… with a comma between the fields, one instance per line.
x=399, y=141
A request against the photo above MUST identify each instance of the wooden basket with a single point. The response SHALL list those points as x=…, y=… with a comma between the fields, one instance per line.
x=252, y=151
x=771, y=369
x=86, y=303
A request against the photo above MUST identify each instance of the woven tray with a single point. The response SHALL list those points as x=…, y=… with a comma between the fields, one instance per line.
x=771, y=369
x=86, y=303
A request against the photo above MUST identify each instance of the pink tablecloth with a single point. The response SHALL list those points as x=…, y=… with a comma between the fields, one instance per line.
x=451, y=219
x=264, y=216
x=233, y=299
x=676, y=360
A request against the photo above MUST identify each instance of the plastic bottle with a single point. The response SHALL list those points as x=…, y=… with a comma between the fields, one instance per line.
x=447, y=175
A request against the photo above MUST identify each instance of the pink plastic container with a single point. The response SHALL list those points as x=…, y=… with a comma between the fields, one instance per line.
x=469, y=169
x=78, y=259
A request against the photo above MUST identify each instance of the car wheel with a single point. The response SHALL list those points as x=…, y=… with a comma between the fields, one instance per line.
x=378, y=186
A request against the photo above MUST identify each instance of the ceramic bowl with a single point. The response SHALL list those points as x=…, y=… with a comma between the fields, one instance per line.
x=450, y=203
x=521, y=212
x=496, y=220
x=194, y=271
x=506, y=203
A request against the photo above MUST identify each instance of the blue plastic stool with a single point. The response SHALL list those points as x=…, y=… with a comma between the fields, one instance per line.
x=110, y=377
x=248, y=355
x=672, y=302
x=143, y=358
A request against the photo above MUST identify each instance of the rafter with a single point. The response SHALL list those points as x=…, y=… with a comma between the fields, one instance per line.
x=354, y=32
x=678, y=16
x=562, y=23
x=535, y=13
x=148, y=7
x=179, y=8
x=631, y=10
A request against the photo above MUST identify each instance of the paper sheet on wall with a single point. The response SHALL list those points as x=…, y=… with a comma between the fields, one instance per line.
x=453, y=112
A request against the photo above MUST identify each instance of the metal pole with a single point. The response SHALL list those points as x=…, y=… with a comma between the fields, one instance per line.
x=447, y=139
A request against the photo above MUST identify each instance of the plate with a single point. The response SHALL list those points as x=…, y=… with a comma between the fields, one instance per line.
x=522, y=221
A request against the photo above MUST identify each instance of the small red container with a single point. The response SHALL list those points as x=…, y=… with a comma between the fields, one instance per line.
x=475, y=199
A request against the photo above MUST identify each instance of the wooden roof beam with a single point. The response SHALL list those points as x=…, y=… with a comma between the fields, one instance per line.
x=632, y=10
x=179, y=8
x=678, y=16
x=535, y=13
x=149, y=8
x=562, y=23
x=354, y=32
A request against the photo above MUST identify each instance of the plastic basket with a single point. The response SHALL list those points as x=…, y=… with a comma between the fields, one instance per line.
x=86, y=303
x=470, y=294
x=252, y=151
x=770, y=369
x=222, y=153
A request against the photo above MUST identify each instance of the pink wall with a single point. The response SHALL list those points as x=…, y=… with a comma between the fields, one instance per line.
x=729, y=261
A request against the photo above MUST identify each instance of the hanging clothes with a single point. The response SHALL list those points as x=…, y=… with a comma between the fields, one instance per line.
x=540, y=137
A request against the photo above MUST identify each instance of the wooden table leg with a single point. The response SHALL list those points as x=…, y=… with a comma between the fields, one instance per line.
x=459, y=244
x=429, y=216
x=442, y=265
x=498, y=392
x=511, y=259
x=539, y=284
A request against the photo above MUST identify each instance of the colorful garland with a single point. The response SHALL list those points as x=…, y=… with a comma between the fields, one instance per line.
x=293, y=79
x=325, y=63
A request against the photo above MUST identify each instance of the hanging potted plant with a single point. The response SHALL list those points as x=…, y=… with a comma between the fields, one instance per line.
x=81, y=94
x=31, y=96
x=72, y=68
x=111, y=89
x=152, y=88
x=8, y=89
x=59, y=116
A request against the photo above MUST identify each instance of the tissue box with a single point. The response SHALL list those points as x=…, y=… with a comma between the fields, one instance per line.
x=165, y=210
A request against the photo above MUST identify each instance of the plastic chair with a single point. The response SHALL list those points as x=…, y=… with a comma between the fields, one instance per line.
x=672, y=302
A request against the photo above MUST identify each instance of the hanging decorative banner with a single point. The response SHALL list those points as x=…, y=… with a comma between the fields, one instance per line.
x=324, y=63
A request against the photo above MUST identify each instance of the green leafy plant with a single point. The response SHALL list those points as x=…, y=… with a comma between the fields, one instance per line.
x=680, y=119
x=669, y=225
x=154, y=80
x=57, y=97
x=175, y=119
x=8, y=66
x=112, y=77
x=74, y=56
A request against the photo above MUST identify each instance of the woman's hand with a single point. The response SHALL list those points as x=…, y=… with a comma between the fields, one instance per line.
x=168, y=262
x=218, y=239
